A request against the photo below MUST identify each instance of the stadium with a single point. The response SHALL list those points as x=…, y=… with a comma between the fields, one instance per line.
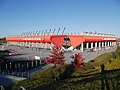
x=81, y=41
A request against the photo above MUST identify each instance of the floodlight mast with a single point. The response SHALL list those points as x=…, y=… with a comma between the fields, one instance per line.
x=58, y=31
x=53, y=31
x=39, y=32
x=42, y=32
x=49, y=32
x=63, y=30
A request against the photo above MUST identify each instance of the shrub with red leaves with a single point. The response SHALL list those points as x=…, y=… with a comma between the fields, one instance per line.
x=77, y=60
x=57, y=56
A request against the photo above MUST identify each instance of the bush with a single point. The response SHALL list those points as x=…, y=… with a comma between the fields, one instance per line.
x=118, y=52
x=113, y=65
x=114, y=55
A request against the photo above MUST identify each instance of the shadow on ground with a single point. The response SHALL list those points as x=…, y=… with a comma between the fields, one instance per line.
x=106, y=80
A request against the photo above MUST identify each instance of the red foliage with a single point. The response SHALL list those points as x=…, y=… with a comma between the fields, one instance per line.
x=77, y=60
x=57, y=56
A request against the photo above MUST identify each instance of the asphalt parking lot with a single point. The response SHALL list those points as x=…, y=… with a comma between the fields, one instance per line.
x=30, y=53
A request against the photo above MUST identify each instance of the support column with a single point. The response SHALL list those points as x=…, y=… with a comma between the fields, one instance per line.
x=36, y=44
x=95, y=45
x=32, y=44
x=87, y=44
x=18, y=43
x=82, y=47
x=102, y=44
x=105, y=44
x=92, y=45
x=116, y=43
x=26, y=43
x=108, y=43
x=23, y=44
x=42, y=45
x=99, y=44
x=46, y=45
x=112, y=44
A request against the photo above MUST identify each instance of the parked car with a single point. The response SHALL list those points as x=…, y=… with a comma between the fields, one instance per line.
x=14, y=53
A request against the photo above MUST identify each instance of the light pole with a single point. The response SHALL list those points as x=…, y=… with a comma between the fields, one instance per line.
x=6, y=66
x=32, y=63
x=10, y=65
x=18, y=65
x=2, y=88
x=36, y=62
x=0, y=67
x=27, y=64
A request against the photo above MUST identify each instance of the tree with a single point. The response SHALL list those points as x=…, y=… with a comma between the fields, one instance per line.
x=56, y=58
x=3, y=40
x=77, y=60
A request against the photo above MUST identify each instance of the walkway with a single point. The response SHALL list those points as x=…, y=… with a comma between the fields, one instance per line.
x=6, y=80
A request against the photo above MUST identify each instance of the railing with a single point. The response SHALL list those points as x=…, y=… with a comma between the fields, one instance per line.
x=21, y=88
x=2, y=88
x=96, y=34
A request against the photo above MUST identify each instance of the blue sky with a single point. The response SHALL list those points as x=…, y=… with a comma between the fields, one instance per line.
x=17, y=16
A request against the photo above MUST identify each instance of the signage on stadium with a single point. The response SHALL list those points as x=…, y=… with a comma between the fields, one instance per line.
x=33, y=39
x=109, y=38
